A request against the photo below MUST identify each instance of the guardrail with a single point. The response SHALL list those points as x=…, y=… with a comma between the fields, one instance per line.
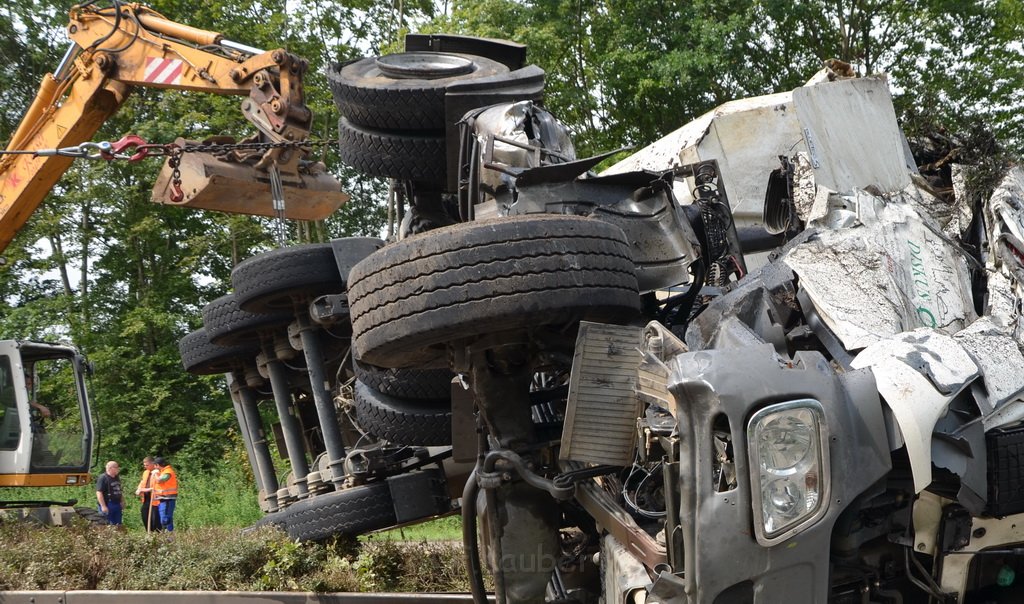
x=222, y=597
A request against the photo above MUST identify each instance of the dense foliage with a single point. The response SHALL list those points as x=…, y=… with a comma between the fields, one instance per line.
x=626, y=73
x=124, y=279
x=84, y=557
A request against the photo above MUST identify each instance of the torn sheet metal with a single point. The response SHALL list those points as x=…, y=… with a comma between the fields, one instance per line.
x=960, y=448
x=1004, y=217
x=918, y=374
x=512, y=134
x=1004, y=303
x=660, y=345
x=1007, y=202
x=1004, y=223
x=746, y=136
x=1001, y=362
x=891, y=273
x=846, y=128
x=809, y=201
x=961, y=213
x=852, y=137
x=928, y=203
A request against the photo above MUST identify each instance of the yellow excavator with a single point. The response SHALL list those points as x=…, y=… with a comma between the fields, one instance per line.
x=115, y=49
x=118, y=48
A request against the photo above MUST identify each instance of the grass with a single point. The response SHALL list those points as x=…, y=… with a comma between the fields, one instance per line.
x=448, y=528
x=222, y=500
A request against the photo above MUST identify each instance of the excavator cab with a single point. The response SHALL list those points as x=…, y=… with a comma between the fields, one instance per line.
x=46, y=428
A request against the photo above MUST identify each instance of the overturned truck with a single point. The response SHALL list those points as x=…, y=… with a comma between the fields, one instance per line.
x=765, y=359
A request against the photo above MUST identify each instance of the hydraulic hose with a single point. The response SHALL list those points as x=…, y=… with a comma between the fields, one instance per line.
x=685, y=300
x=469, y=541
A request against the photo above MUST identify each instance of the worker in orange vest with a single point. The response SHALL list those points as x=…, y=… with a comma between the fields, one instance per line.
x=165, y=491
x=150, y=512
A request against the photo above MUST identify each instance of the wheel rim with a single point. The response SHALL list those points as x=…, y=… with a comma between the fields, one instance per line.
x=429, y=66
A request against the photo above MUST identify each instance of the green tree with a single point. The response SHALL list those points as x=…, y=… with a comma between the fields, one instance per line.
x=626, y=73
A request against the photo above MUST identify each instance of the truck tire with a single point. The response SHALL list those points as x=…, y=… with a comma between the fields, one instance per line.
x=404, y=91
x=409, y=299
x=199, y=356
x=228, y=325
x=400, y=421
x=413, y=383
x=400, y=155
x=348, y=512
x=269, y=282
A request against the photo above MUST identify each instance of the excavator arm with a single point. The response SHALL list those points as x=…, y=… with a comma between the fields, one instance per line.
x=117, y=48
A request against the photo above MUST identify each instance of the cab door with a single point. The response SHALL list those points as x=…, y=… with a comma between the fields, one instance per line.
x=15, y=423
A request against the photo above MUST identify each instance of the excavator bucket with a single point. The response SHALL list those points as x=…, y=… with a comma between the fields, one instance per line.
x=210, y=183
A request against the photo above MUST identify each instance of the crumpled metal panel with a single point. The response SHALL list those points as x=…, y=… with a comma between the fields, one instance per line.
x=918, y=374
x=846, y=128
x=524, y=124
x=1002, y=365
x=938, y=357
x=1006, y=203
x=1004, y=221
x=753, y=312
x=853, y=119
x=809, y=200
x=746, y=136
x=890, y=273
x=1003, y=306
x=962, y=212
x=996, y=339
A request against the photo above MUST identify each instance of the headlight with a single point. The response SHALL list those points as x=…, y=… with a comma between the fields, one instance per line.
x=788, y=450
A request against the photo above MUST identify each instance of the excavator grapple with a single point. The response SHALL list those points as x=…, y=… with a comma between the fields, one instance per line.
x=208, y=182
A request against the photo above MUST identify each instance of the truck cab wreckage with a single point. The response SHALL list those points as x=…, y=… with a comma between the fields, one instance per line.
x=761, y=360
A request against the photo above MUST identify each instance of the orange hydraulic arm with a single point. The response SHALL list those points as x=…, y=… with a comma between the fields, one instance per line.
x=117, y=48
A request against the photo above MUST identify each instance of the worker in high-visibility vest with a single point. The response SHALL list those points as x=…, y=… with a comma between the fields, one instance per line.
x=165, y=491
x=150, y=512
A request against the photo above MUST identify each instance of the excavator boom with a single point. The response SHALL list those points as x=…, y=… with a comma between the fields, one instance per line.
x=118, y=48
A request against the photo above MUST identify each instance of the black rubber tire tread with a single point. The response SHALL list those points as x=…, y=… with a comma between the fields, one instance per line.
x=367, y=97
x=199, y=356
x=412, y=383
x=401, y=155
x=481, y=277
x=349, y=512
x=226, y=324
x=267, y=283
x=402, y=421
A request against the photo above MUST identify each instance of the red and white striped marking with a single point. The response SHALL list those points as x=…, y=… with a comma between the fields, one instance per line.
x=163, y=71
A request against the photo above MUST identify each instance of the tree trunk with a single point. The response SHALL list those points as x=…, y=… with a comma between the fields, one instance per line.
x=62, y=263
